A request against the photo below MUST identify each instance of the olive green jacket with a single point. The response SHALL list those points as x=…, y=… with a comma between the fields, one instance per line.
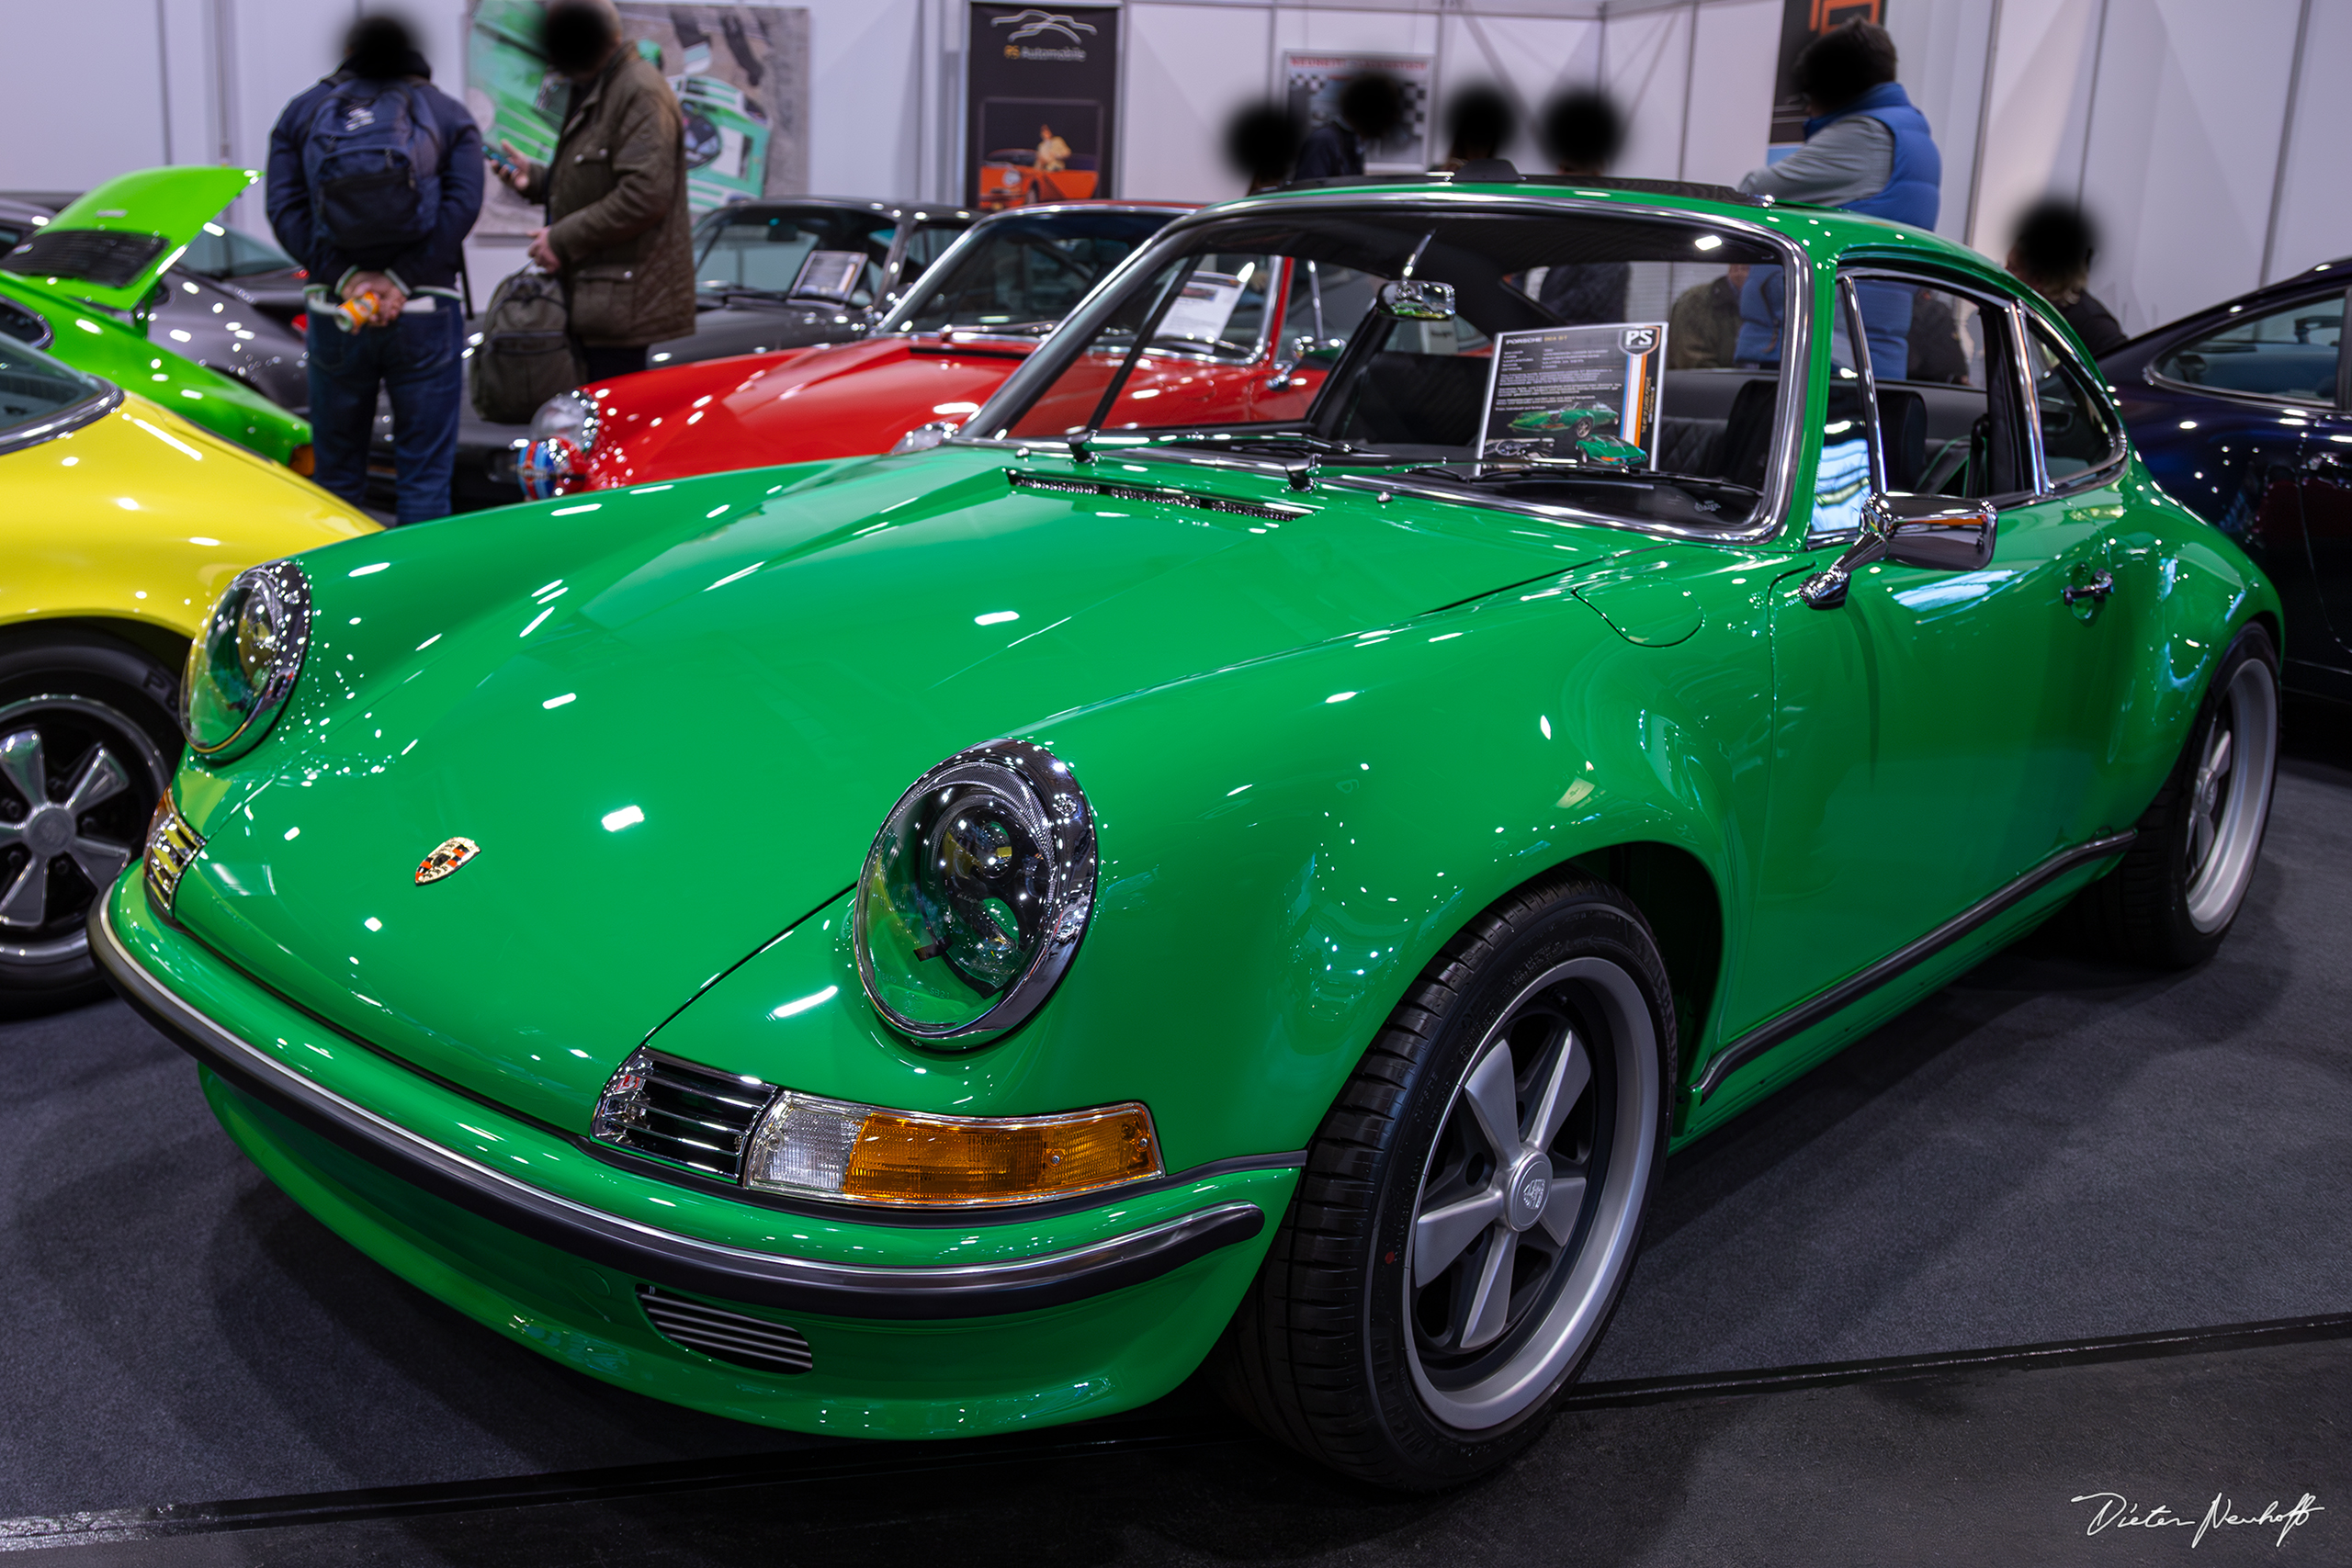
x=616, y=193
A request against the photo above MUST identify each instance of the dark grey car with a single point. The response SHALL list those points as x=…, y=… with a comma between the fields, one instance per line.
x=769, y=275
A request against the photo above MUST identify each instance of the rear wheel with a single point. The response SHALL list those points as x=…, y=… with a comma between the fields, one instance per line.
x=86, y=747
x=2176, y=892
x=1469, y=1211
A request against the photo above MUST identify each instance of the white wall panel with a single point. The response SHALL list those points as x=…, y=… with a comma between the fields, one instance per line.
x=2182, y=151
x=60, y=129
x=2315, y=218
x=1645, y=64
x=1731, y=91
x=1941, y=44
x=1530, y=59
x=1189, y=70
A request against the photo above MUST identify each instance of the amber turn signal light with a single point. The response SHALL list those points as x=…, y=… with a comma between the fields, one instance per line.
x=828, y=1148
x=300, y=459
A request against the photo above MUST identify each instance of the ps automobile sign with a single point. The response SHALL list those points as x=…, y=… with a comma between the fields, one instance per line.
x=1043, y=86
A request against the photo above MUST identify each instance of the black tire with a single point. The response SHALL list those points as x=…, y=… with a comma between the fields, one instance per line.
x=1339, y=1350
x=78, y=691
x=2157, y=908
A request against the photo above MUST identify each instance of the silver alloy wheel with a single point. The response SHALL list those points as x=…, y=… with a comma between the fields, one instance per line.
x=105, y=754
x=1525, y=1218
x=2229, y=799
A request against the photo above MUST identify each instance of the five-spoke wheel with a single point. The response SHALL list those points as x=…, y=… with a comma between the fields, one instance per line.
x=85, y=748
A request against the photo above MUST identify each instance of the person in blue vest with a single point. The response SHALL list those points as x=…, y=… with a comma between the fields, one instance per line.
x=1866, y=150
x=375, y=178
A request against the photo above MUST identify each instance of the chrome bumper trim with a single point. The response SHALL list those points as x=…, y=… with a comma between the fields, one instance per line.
x=659, y=1256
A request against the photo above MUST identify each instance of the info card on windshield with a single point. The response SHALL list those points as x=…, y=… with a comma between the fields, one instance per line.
x=1578, y=394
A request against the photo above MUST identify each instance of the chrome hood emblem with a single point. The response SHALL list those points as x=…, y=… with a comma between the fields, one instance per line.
x=446, y=857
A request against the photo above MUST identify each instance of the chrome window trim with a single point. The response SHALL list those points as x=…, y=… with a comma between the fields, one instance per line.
x=102, y=400
x=2099, y=475
x=1775, y=505
x=2020, y=314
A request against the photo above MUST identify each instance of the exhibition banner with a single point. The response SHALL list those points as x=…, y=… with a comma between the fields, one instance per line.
x=1311, y=83
x=740, y=74
x=1802, y=21
x=1577, y=394
x=1042, y=91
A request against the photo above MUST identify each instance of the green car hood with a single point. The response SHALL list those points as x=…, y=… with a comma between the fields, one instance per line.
x=111, y=245
x=674, y=734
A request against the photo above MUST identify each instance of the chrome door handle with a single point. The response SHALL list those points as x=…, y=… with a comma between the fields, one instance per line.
x=2101, y=584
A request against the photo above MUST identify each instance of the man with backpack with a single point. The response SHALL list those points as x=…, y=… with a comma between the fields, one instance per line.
x=375, y=178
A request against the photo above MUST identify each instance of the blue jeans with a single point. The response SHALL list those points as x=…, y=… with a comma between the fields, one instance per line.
x=419, y=360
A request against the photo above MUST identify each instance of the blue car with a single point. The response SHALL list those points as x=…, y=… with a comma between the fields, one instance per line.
x=2244, y=411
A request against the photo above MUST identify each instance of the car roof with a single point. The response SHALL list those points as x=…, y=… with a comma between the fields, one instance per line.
x=846, y=204
x=1824, y=233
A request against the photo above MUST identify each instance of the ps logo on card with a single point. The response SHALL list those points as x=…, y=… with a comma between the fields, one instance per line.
x=1640, y=340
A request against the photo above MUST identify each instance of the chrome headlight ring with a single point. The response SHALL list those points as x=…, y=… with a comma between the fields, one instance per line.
x=245, y=666
x=976, y=893
x=568, y=416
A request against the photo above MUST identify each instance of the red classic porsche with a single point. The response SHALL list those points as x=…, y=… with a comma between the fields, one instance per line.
x=935, y=357
x=1243, y=343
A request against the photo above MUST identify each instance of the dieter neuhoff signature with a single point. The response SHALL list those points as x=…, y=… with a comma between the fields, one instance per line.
x=2113, y=1510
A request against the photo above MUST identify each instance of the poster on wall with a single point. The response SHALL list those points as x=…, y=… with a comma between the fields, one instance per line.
x=1575, y=394
x=1311, y=83
x=1042, y=93
x=741, y=74
x=1802, y=21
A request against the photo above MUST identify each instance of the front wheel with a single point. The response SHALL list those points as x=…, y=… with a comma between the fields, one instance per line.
x=1469, y=1211
x=86, y=746
x=2177, y=892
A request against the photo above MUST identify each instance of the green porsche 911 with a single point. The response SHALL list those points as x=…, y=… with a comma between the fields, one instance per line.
x=951, y=942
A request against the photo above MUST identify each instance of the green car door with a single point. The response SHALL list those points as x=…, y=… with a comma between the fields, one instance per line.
x=1939, y=726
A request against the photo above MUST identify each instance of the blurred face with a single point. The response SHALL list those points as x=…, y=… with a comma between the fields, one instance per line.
x=1736, y=274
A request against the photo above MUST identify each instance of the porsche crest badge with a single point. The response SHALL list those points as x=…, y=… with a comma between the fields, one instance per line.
x=451, y=854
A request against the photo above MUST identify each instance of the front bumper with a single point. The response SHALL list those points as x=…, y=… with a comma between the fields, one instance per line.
x=1075, y=1314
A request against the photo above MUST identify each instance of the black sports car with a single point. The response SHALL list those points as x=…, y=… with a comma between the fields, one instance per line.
x=2244, y=411
x=769, y=275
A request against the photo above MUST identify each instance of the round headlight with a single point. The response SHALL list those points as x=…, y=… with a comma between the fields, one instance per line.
x=242, y=669
x=976, y=893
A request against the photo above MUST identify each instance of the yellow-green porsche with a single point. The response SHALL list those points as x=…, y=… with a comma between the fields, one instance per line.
x=120, y=523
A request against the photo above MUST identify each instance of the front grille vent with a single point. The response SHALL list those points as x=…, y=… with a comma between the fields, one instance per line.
x=678, y=1111
x=727, y=1336
x=1167, y=495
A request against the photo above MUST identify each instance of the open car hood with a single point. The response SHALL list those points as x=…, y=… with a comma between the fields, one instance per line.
x=109, y=246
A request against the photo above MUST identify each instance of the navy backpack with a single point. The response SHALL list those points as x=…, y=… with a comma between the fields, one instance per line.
x=374, y=168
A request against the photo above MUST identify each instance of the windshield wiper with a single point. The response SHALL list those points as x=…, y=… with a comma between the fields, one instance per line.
x=1300, y=445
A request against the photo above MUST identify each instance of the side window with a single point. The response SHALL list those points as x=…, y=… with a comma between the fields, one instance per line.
x=2078, y=429
x=1948, y=416
x=2288, y=354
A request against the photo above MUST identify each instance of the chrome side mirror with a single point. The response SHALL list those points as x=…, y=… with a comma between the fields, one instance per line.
x=1932, y=531
x=1418, y=299
x=1286, y=359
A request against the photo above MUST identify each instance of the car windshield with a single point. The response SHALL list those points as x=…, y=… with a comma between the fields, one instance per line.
x=767, y=250
x=34, y=388
x=218, y=252
x=1023, y=274
x=1622, y=364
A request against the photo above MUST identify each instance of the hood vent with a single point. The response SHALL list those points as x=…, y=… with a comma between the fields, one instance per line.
x=747, y=1341
x=1166, y=495
x=677, y=1112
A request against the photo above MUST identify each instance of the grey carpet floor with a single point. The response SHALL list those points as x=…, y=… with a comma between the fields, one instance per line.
x=2045, y=1150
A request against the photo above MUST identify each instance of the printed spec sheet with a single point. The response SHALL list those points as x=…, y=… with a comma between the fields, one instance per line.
x=1580, y=394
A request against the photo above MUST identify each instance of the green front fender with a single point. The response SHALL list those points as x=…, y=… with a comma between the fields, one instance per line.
x=1269, y=893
